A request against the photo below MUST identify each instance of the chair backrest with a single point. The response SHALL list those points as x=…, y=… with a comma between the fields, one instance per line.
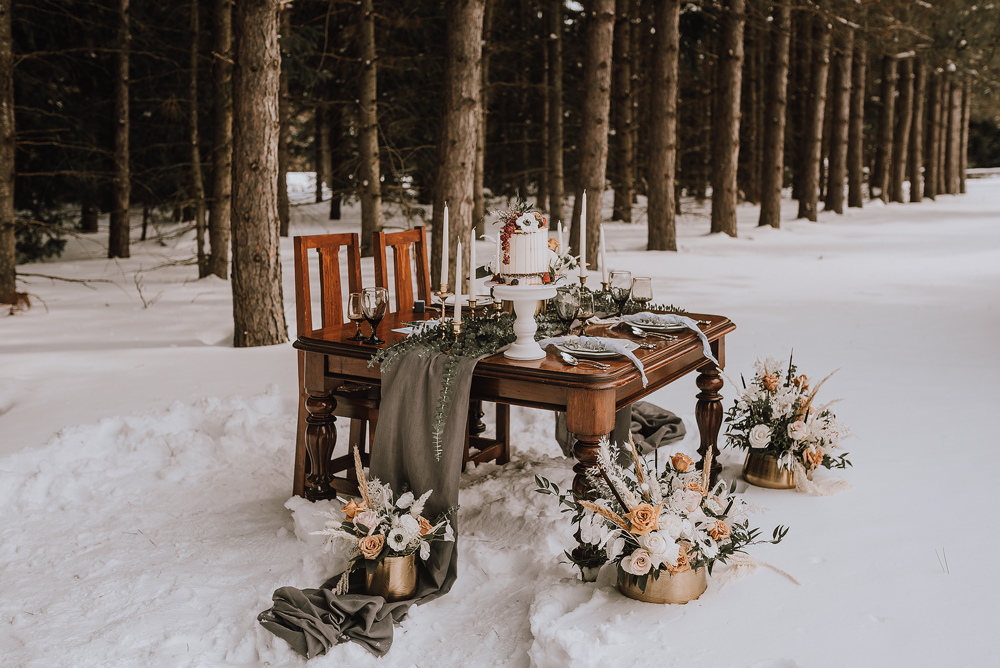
x=328, y=247
x=403, y=274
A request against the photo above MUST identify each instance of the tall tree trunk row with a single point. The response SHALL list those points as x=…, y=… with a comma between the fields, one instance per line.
x=197, y=183
x=840, y=110
x=773, y=171
x=933, y=135
x=883, y=155
x=726, y=120
x=963, y=150
x=222, y=139
x=812, y=139
x=915, y=157
x=370, y=186
x=901, y=135
x=661, y=211
x=855, y=129
x=8, y=262
x=118, y=233
x=953, y=158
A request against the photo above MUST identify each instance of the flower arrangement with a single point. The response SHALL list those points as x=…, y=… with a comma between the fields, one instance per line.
x=776, y=415
x=382, y=526
x=651, y=526
x=518, y=216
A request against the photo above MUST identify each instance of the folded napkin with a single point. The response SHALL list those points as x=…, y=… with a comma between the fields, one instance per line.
x=416, y=329
x=617, y=345
x=674, y=319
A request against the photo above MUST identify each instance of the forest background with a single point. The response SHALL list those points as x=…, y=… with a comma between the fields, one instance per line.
x=170, y=117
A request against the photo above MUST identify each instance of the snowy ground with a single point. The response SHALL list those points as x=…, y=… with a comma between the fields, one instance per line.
x=145, y=465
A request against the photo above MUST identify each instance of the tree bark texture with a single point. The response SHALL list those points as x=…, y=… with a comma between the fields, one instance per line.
x=952, y=159
x=457, y=145
x=478, y=198
x=812, y=136
x=196, y=181
x=321, y=146
x=621, y=97
x=944, y=92
x=336, y=152
x=933, y=134
x=900, y=139
x=773, y=171
x=593, y=142
x=118, y=234
x=963, y=151
x=883, y=154
x=798, y=102
x=554, y=18
x=222, y=139
x=915, y=156
x=284, y=214
x=8, y=255
x=840, y=113
x=370, y=182
x=661, y=210
x=726, y=119
x=258, y=309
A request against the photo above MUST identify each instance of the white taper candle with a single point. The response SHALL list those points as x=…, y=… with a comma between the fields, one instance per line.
x=444, y=247
x=604, y=261
x=458, y=284
x=583, y=235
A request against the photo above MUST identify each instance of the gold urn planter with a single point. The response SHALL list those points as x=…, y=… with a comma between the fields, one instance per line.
x=394, y=579
x=763, y=471
x=679, y=588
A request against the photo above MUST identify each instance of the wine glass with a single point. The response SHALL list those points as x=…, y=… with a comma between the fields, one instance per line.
x=621, y=288
x=567, y=303
x=355, y=314
x=586, y=310
x=374, y=302
x=642, y=291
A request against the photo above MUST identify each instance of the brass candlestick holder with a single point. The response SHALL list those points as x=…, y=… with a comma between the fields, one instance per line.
x=442, y=295
x=605, y=287
x=472, y=305
x=583, y=282
x=456, y=328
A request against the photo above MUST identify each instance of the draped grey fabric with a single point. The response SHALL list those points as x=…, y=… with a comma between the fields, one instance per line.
x=313, y=620
x=652, y=427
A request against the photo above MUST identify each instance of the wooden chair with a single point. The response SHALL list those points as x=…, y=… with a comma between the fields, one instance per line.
x=359, y=403
x=410, y=248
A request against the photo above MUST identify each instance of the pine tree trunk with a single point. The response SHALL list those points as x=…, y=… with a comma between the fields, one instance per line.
x=773, y=172
x=661, y=210
x=196, y=181
x=88, y=214
x=222, y=138
x=933, y=135
x=118, y=234
x=554, y=21
x=478, y=198
x=457, y=145
x=336, y=152
x=370, y=190
x=798, y=103
x=726, y=122
x=812, y=136
x=945, y=93
x=840, y=117
x=883, y=155
x=621, y=97
x=593, y=142
x=258, y=309
x=953, y=159
x=900, y=140
x=320, y=146
x=915, y=158
x=542, y=201
x=8, y=254
x=283, y=219
x=963, y=151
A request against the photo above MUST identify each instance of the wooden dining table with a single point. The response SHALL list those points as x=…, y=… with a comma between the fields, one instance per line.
x=588, y=395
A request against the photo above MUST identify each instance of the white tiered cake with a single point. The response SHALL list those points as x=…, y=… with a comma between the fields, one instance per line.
x=525, y=258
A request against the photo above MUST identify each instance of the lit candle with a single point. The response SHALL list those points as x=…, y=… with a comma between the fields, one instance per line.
x=583, y=235
x=444, y=247
x=458, y=283
x=604, y=262
x=559, y=238
x=472, y=262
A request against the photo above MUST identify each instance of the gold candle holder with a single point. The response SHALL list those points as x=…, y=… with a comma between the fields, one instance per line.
x=456, y=327
x=472, y=305
x=605, y=287
x=583, y=282
x=442, y=295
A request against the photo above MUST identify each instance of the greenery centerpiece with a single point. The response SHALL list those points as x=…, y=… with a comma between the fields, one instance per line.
x=776, y=421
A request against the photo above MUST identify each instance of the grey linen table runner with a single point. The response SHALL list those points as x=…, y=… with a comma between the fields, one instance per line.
x=313, y=620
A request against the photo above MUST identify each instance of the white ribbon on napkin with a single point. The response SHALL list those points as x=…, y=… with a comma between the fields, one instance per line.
x=617, y=345
x=673, y=319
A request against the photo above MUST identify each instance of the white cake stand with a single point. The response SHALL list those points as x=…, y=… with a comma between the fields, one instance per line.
x=525, y=299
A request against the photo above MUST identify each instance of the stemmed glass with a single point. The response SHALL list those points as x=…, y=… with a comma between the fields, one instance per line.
x=374, y=302
x=355, y=314
x=586, y=310
x=642, y=291
x=567, y=303
x=621, y=288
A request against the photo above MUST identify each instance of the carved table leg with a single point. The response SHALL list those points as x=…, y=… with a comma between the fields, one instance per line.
x=321, y=437
x=708, y=414
x=476, y=425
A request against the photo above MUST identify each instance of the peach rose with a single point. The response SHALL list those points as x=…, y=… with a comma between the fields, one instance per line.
x=695, y=487
x=637, y=563
x=553, y=244
x=812, y=458
x=681, y=462
x=770, y=382
x=353, y=508
x=692, y=500
x=798, y=430
x=801, y=381
x=683, y=562
x=720, y=531
x=425, y=526
x=644, y=518
x=370, y=546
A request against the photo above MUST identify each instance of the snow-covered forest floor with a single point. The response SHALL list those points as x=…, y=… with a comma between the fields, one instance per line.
x=145, y=464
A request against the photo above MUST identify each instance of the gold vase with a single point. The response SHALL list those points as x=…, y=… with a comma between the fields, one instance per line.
x=679, y=588
x=395, y=579
x=763, y=471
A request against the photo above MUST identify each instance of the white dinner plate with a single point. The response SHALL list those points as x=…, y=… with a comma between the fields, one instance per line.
x=651, y=327
x=577, y=350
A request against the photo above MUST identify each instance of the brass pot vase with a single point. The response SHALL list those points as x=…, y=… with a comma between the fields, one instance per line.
x=679, y=588
x=763, y=471
x=394, y=579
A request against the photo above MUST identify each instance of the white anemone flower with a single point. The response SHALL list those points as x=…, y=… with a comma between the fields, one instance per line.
x=397, y=539
x=408, y=525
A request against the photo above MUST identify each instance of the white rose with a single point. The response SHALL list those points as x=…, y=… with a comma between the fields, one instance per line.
x=405, y=501
x=760, y=436
x=671, y=525
x=798, y=430
x=660, y=548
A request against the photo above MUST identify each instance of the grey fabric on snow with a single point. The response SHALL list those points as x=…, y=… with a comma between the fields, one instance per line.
x=313, y=620
x=652, y=427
